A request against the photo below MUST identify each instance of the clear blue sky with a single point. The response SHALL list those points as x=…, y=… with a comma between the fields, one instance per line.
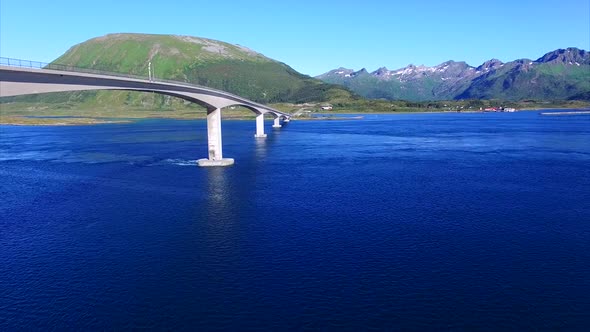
x=312, y=36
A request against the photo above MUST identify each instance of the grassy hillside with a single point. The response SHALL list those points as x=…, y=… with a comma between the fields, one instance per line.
x=212, y=63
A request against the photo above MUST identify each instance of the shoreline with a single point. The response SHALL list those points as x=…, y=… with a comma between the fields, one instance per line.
x=56, y=120
x=48, y=121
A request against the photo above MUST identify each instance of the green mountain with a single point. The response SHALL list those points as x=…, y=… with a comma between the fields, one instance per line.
x=559, y=75
x=202, y=61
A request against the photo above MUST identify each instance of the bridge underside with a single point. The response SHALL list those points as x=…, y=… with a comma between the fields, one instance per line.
x=17, y=82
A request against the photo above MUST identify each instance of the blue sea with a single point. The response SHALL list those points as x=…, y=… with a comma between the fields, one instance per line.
x=461, y=222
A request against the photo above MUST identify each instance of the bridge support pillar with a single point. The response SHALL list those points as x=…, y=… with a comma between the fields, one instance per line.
x=214, y=141
x=277, y=123
x=260, y=125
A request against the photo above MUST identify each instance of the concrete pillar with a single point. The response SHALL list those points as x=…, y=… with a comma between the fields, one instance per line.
x=214, y=134
x=260, y=125
x=277, y=123
x=214, y=141
x=286, y=120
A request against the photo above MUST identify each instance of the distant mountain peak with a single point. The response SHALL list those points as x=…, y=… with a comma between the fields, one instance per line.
x=568, y=56
x=447, y=63
x=383, y=71
x=360, y=72
x=490, y=64
x=341, y=72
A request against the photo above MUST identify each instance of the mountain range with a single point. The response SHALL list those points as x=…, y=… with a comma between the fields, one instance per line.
x=557, y=75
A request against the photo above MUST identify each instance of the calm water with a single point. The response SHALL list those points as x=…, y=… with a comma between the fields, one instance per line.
x=438, y=222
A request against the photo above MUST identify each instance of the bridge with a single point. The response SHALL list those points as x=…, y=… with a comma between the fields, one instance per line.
x=23, y=77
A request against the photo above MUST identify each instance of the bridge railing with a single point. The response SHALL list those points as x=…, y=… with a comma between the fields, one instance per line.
x=10, y=62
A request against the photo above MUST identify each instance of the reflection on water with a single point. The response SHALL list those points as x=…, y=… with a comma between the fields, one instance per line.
x=261, y=148
x=219, y=192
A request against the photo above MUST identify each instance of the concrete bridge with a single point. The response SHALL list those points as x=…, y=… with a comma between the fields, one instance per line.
x=17, y=80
